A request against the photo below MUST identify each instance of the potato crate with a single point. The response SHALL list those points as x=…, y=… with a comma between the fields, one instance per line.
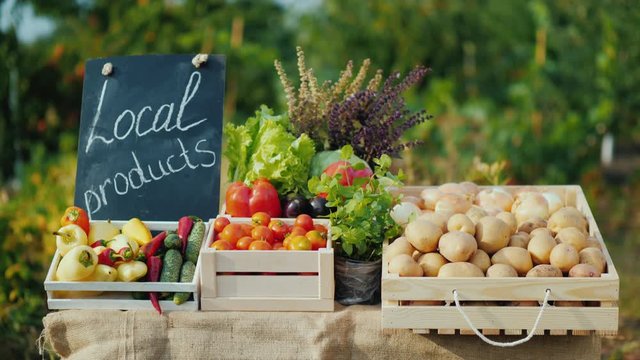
x=267, y=280
x=596, y=298
x=118, y=295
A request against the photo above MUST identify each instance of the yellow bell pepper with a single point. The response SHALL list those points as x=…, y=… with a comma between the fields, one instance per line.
x=77, y=264
x=101, y=273
x=131, y=271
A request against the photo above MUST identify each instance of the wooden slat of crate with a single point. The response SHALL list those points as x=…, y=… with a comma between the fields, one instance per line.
x=500, y=317
x=266, y=304
x=263, y=261
x=267, y=286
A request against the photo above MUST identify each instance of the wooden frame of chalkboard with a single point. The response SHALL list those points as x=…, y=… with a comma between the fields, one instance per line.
x=118, y=295
x=150, y=138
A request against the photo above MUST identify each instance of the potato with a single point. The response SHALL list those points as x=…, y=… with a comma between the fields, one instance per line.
x=404, y=212
x=461, y=222
x=455, y=203
x=404, y=265
x=564, y=257
x=451, y=188
x=554, y=201
x=501, y=270
x=398, y=246
x=567, y=217
x=431, y=263
x=584, y=270
x=544, y=270
x=414, y=200
x=518, y=258
x=423, y=235
x=532, y=224
x=509, y=219
x=475, y=213
x=439, y=219
x=430, y=197
x=537, y=231
x=457, y=246
x=540, y=247
x=495, y=198
x=492, y=234
x=572, y=236
x=592, y=242
x=469, y=189
x=520, y=239
x=593, y=257
x=481, y=260
x=460, y=269
x=416, y=255
x=529, y=205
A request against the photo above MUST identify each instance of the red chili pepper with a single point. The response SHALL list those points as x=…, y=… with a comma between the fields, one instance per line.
x=151, y=248
x=109, y=257
x=154, y=264
x=242, y=201
x=184, y=228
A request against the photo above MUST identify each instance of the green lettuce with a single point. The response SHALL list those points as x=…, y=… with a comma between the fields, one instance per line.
x=264, y=147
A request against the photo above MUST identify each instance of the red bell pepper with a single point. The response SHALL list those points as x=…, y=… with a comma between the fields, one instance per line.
x=77, y=216
x=154, y=264
x=109, y=257
x=184, y=228
x=243, y=201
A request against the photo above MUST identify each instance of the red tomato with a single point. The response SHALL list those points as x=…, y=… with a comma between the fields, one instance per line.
x=317, y=240
x=321, y=228
x=244, y=242
x=232, y=233
x=221, y=245
x=220, y=223
x=77, y=216
x=259, y=245
x=297, y=230
x=300, y=243
x=237, y=199
x=279, y=246
x=305, y=221
x=262, y=232
x=342, y=168
x=260, y=218
x=279, y=229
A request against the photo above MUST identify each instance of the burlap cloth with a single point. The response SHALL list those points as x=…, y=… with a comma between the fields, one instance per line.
x=348, y=333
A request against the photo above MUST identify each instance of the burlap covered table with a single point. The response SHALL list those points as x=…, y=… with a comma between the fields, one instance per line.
x=348, y=333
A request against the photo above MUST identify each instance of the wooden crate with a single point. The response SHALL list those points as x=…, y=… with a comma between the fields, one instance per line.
x=599, y=315
x=117, y=295
x=235, y=279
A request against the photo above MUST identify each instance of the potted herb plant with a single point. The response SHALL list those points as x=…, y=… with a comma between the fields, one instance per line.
x=360, y=222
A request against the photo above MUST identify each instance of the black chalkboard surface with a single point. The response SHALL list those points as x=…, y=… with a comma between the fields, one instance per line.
x=150, y=137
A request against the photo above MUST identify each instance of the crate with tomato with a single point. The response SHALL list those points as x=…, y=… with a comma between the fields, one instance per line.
x=260, y=263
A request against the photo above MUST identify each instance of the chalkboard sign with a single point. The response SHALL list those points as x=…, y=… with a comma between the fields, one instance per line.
x=150, y=135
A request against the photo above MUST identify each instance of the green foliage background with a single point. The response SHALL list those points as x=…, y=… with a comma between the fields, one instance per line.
x=533, y=83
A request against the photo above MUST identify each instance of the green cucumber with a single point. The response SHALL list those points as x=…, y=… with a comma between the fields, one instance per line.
x=171, y=265
x=172, y=241
x=194, y=242
x=187, y=273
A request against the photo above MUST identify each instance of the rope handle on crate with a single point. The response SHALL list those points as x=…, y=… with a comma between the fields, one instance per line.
x=496, y=343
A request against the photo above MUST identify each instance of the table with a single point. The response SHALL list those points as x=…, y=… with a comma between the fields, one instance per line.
x=348, y=333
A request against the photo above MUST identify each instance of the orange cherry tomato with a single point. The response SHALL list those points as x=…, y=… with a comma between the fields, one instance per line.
x=321, y=228
x=297, y=230
x=260, y=245
x=247, y=229
x=221, y=245
x=260, y=218
x=232, y=233
x=262, y=232
x=220, y=224
x=317, y=240
x=77, y=216
x=305, y=221
x=286, y=244
x=244, y=242
x=279, y=246
x=300, y=243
